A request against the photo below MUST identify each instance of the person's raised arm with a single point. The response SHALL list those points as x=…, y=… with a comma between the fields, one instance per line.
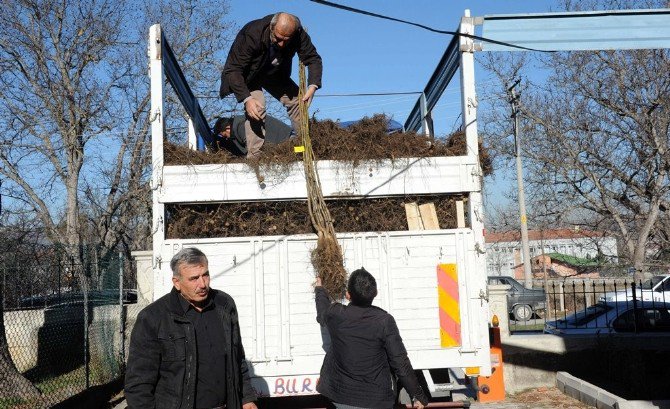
x=312, y=60
x=322, y=301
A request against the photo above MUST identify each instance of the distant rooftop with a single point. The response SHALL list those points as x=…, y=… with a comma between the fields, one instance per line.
x=573, y=261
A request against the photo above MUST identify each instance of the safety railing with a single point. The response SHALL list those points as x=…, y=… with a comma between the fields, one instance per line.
x=595, y=306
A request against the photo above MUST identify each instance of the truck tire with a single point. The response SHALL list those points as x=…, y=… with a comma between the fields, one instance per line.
x=522, y=312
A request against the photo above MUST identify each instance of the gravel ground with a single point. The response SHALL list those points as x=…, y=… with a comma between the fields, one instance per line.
x=540, y=398
x=536, y=398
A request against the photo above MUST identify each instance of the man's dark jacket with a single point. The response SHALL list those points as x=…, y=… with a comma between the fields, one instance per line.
x=162, y=360
x=365, y=347
x=275, y=132
x=249, y=56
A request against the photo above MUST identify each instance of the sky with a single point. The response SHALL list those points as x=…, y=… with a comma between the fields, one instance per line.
x=364, y=54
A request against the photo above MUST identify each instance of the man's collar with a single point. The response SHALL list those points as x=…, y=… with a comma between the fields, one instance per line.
x=185, y=305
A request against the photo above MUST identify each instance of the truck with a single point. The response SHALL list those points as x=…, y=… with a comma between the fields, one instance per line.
x=433, y=281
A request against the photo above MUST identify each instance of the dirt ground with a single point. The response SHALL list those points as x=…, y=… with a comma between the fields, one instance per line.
x=537, y=398
x=540, y=398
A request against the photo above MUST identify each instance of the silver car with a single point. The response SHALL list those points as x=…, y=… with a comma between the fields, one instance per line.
x=614, y=317
x=656, y=289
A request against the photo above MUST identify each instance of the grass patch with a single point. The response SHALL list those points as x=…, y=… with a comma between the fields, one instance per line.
x=527, y=327
x=6, y=403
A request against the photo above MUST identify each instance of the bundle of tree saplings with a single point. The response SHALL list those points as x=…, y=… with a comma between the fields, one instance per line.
x=186, y=221
x=366, y=140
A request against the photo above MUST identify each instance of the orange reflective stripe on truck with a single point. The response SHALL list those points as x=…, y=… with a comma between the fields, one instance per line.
x=447, y=296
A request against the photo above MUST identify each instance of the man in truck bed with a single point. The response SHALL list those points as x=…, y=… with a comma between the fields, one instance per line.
x=260, y=58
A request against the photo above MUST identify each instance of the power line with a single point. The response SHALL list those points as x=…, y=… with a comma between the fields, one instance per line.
x=453, y=33
x=329, y=110
x=369, y=94
x=364, y=94
x=355, y=94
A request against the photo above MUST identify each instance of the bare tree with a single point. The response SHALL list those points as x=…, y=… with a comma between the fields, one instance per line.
x=74, y=109
x=118, y=197
x=596, y=138
x=54, y=91
x=58, y=79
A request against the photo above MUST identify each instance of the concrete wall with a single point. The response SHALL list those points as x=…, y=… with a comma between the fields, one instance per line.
x=52, y=339
x=631, y=366
x=21, y=330
x=145, y=276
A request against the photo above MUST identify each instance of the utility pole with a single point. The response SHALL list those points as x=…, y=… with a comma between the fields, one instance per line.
x=527, y=272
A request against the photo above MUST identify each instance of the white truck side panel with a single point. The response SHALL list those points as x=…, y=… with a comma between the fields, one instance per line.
x=235, y=182
x=271, y=279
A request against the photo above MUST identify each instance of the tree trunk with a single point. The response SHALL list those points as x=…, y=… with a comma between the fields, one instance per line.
x=638, y=263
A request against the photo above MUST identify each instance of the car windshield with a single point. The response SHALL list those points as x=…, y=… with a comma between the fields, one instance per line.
x=584, y=317
x=653, y=282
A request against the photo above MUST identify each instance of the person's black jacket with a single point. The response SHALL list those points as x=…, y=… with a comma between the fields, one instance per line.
x=365, y=347
x=249, y=54
x=162, y=359
x=275, y=132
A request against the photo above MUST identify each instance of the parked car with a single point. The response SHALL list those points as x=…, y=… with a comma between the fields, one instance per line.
x=95, y=297
x=614, y=317
x=522, y=302
x=657, y=289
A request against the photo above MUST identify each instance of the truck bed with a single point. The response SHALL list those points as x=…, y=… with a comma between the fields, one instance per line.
x=271, y=278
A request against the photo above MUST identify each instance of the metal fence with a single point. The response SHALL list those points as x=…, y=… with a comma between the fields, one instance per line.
x=596, y=306
x=65, y=329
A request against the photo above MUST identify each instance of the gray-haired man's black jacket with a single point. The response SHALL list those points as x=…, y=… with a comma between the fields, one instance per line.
x=162, y=360
x=249, y=56
x=366, y=350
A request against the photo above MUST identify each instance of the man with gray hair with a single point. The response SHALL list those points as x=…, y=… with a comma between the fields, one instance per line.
x=261, y=58
x=185, y=348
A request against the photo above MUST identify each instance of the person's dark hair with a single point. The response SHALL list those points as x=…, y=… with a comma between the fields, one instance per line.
x=189, y=256
x=362, y=287
x=221, y=124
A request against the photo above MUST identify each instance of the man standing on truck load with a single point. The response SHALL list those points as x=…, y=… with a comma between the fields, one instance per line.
x=185, y=348
x=261, y=58
x=366, y=350
x=230, y=133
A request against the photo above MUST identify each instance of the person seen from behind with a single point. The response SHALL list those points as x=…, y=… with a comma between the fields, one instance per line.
x=366, y=354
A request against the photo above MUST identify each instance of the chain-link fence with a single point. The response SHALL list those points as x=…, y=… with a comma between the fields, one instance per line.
x=65, y=328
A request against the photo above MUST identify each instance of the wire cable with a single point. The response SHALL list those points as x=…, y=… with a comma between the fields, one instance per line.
x=369, y=94
x=453, y=33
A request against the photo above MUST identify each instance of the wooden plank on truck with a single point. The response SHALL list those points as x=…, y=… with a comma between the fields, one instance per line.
x=429, y=216
x=460, y=214
x=413, y=216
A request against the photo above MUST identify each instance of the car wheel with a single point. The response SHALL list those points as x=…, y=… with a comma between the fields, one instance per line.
x=522, y=312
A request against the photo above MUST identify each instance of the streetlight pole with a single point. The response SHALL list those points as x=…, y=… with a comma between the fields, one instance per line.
x=527, y=272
